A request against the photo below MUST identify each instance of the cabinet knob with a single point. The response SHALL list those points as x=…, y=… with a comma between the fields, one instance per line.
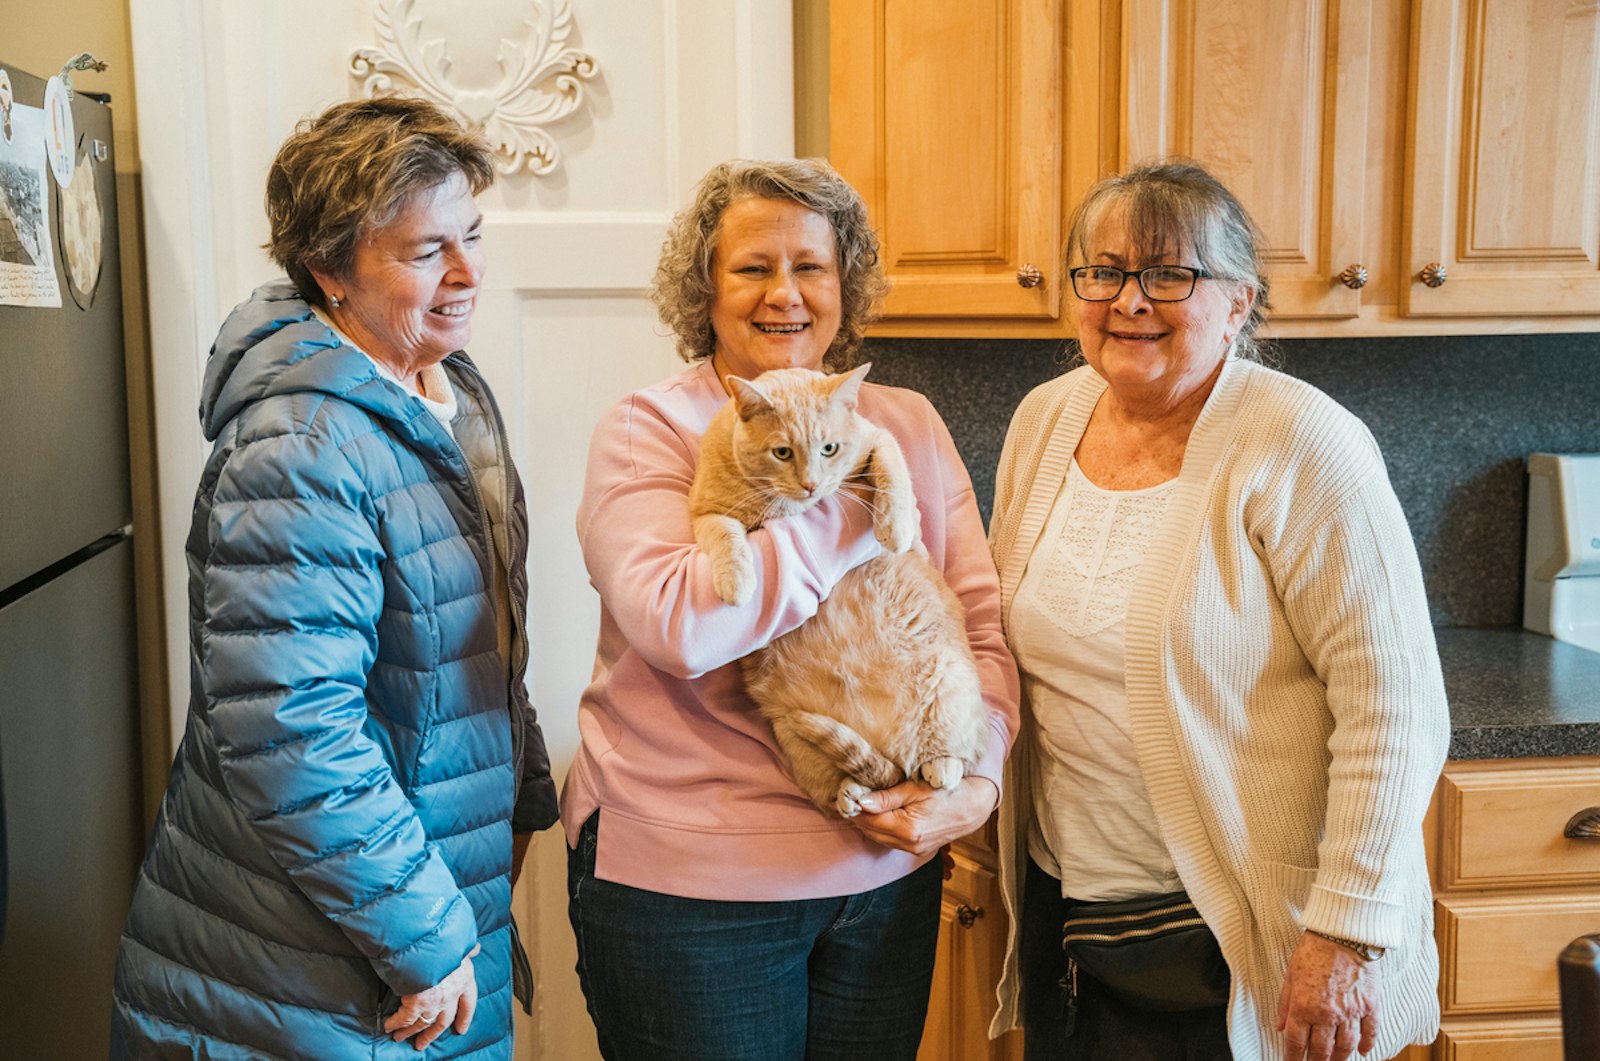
x=1585, y=825
x=1029, y=276
x=1354, y=276
x=1433, y=274
x=966, y=915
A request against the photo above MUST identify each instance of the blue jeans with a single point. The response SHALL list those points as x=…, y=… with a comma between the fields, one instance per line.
x=797, y=980
x=1103, y=1027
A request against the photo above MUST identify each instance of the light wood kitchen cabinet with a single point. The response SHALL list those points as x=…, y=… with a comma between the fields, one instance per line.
x=1370, y=139
x=1272, y=96
x=947, y=116
x=1503, y=171
x=972, y=940
x=1510, y=892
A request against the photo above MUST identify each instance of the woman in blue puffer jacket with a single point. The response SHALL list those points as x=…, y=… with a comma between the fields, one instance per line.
x=330, y=876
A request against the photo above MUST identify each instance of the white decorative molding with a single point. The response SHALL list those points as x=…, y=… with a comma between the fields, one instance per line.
x=541, y=80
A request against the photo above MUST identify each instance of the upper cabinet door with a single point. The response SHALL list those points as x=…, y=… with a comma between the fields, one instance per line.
x=1504, y=159
x=1271, y=95
x=952, y=133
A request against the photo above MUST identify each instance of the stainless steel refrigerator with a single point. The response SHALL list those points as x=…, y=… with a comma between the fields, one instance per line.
x=72, y=831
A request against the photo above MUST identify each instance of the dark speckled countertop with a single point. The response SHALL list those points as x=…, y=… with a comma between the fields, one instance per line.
x=1515, y=694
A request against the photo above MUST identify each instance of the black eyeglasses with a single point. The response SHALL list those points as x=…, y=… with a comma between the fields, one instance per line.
x=1160, y=283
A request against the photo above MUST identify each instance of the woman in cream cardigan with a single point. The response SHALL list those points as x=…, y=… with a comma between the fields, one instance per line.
x=1230, y=683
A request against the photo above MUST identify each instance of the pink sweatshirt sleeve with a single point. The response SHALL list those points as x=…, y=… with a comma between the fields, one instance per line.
x=633, y=526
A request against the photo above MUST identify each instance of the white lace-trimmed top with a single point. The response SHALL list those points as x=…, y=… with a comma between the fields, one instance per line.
x=1093, y=827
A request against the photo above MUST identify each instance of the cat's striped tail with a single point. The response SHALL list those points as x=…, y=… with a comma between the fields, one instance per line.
x=846, y=748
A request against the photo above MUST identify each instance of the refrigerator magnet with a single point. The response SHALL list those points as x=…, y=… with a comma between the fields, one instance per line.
x=60, y=140
x=27, y=262
x=82, y=228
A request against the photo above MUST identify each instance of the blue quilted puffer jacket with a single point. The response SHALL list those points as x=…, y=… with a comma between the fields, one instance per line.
x=337, y=831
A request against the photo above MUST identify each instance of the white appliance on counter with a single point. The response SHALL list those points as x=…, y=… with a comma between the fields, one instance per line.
x=1561, y=596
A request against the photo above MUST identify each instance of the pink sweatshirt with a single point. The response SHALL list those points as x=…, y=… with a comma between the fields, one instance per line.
x=697, y=802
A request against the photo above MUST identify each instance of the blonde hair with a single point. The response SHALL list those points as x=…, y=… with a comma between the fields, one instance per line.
x=683, y=289
x=1177, y=205
x=351, y=169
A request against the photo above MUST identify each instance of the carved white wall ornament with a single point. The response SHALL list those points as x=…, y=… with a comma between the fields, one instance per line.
x=540, y=79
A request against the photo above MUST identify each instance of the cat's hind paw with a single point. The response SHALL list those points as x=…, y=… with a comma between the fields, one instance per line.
x=848, y=800
x=943, y=772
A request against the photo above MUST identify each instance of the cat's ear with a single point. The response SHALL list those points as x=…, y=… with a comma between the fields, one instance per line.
x=749, y=398
x=847, y=387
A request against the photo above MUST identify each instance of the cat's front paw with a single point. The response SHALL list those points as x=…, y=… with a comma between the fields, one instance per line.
x=943, y=772
x=735, y=579
x=848, y=801
x=897, y=525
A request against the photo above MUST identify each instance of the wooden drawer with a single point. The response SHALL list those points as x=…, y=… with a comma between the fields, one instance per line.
x=1500, y=825
x=1499, y=954
x=1499, y=1040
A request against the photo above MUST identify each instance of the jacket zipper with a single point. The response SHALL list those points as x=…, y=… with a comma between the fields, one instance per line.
x=518, y=639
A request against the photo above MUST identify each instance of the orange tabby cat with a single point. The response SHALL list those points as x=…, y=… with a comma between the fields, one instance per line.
x=880, y=684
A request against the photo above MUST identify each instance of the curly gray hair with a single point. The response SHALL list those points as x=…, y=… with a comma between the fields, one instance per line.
x=1177, y=205
x=683, y=289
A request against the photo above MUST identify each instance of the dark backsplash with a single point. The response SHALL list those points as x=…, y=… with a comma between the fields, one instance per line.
x=1455, y=415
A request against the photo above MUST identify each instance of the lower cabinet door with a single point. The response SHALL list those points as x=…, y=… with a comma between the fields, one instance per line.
x=1508, y=1039
x=1499, y=954
x=972, y=939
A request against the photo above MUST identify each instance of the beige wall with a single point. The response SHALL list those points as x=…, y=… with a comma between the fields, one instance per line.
x=39, y=38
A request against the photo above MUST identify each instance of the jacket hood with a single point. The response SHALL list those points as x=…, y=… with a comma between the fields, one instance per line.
x=273, y=344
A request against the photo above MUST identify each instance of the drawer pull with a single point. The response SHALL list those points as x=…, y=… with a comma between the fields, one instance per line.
x=1433, y=274
x=1354, y=276
x=1029, y=276
x=1585, y=825
x=966, y=915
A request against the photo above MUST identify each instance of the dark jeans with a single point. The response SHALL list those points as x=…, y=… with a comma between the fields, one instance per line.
x=802, y=980
x=1105, y=1028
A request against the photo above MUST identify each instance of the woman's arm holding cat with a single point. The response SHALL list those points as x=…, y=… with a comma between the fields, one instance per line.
x=639, y=547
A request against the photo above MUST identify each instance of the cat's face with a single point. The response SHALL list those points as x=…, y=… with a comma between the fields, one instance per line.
x=798, y=437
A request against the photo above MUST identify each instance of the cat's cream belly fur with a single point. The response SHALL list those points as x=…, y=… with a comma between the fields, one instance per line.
x=887, y=657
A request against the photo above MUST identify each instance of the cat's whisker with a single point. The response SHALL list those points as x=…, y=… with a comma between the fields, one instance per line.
x=851, y=497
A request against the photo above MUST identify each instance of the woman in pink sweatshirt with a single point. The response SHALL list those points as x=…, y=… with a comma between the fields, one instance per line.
x=718, y=913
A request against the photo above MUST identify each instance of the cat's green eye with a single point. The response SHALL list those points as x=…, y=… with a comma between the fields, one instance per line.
x=783, y=453
x=830, y=448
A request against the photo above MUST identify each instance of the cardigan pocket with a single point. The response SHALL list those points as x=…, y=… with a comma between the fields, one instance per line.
x=1279, y=906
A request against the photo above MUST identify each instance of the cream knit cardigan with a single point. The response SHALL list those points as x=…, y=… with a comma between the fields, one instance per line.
x=1284, y=690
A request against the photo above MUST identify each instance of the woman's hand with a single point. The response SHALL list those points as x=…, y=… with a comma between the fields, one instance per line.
x=916, y=817
x=1329, y=1005
x=449, y=1003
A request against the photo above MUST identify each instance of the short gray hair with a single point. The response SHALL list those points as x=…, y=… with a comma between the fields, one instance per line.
x=351, y=169
x=1177, y=205
x=684, y=290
